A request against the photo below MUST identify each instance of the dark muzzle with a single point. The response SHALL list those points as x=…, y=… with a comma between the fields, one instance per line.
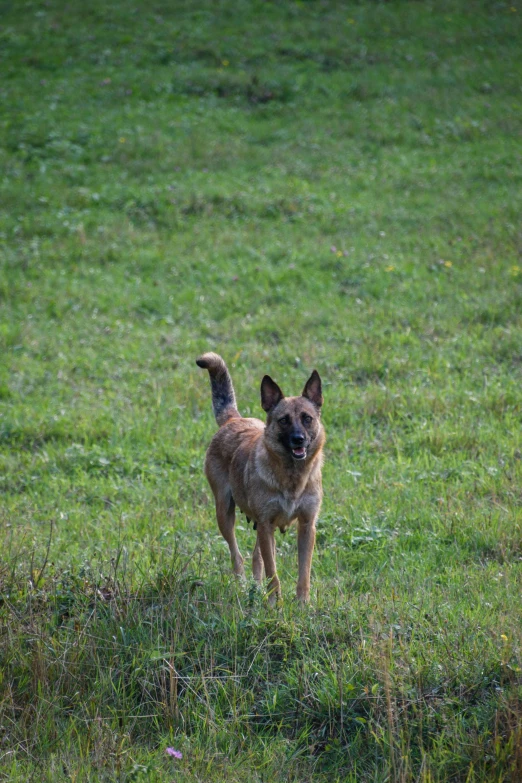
x=297, y=445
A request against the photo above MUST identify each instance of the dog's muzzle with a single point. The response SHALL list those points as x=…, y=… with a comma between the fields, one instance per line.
x=298, y=447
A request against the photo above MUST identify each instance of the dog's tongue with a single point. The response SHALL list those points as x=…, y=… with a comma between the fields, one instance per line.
x=299, y=452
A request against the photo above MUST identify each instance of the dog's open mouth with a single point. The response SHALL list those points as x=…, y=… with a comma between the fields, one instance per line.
x=299, y=453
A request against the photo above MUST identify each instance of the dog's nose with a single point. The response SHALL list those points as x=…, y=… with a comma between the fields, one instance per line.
x=296, y=439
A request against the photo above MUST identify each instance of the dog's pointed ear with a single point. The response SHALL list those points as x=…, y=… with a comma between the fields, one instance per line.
x=312, y=390
x=271, y=394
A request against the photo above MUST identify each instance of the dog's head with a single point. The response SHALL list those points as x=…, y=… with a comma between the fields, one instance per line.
x=293, y=425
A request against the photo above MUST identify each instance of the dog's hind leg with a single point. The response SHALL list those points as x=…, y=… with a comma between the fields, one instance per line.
x=266, y=541
x=226, y=519
x=258, y=568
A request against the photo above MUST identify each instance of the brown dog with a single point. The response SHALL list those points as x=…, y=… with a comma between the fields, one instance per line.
x=272, y=472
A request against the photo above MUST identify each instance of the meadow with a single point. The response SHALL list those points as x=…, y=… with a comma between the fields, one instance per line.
x=295, y=185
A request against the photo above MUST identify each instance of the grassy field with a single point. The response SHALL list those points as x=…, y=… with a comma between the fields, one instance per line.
x=295, y=185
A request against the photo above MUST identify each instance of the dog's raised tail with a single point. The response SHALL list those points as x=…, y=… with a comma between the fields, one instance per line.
x=223, y=397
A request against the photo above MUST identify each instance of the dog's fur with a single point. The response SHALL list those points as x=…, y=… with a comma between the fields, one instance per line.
x=271, y=472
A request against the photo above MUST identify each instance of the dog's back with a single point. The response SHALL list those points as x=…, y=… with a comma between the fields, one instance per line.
x=237, y=434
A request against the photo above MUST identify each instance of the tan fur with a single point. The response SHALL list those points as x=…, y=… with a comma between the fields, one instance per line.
x=253, y=466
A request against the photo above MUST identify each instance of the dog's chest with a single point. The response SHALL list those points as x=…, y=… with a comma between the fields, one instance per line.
x=285, y=509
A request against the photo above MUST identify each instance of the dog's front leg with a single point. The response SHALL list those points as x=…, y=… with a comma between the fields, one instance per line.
x=266, y=543
x=305, y=549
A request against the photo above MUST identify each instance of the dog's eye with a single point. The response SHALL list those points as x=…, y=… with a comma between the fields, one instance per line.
x=307, y=419
x=284, y=420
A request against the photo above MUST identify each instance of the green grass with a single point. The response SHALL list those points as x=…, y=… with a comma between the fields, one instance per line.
x=295, y=185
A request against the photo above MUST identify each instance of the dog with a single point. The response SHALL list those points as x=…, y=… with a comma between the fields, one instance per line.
x=271, y=471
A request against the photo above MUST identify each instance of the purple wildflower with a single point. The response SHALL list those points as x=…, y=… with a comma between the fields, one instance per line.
x=174, y=753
